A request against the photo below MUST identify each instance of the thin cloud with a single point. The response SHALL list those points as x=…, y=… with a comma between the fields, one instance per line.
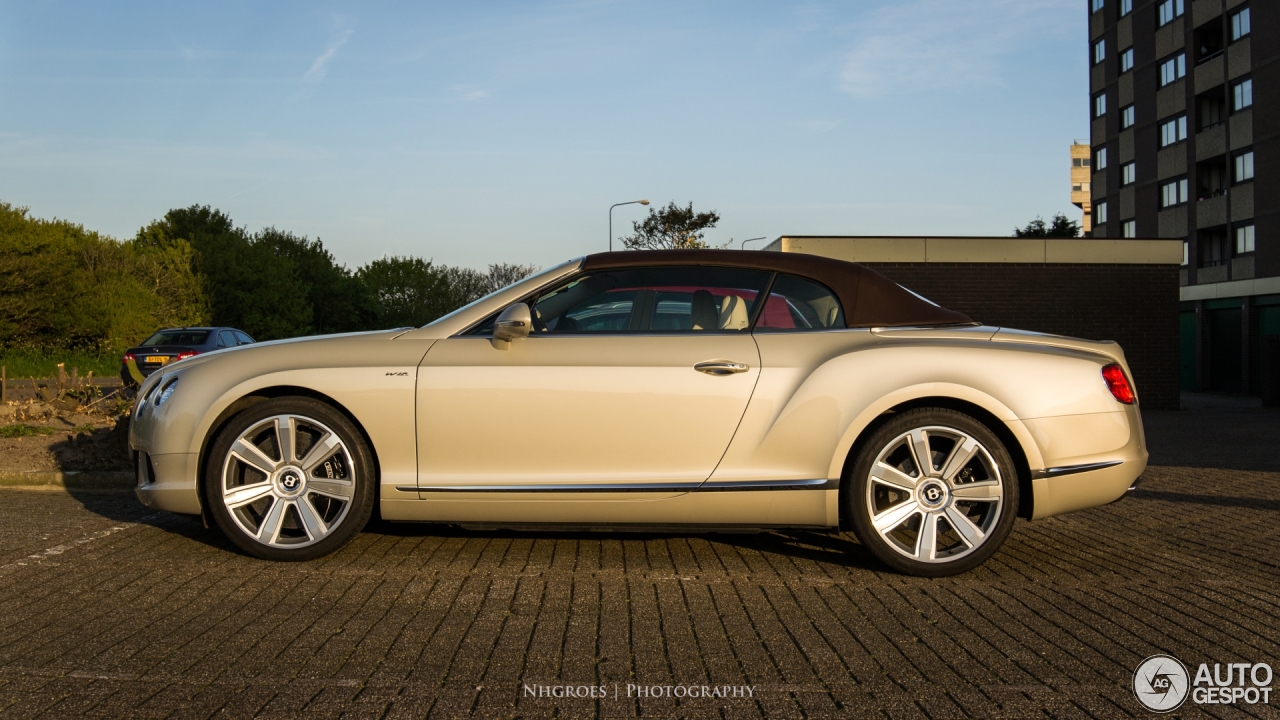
x=815, y=127
x=947, y=44
x=320, y=66
x=468, y=93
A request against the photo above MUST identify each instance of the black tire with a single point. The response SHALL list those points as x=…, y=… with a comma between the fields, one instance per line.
x=316, y=510
x=904, y=504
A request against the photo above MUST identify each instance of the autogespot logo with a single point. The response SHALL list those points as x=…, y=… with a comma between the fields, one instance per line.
x=1160, y=683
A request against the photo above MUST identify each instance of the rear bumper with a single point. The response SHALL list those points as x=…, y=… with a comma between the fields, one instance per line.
x=1092, y=460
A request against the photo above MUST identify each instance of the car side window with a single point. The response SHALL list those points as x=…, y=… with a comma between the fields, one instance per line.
x=243, y=339
x=226, y=339
x=796, y=305
x=653, y=300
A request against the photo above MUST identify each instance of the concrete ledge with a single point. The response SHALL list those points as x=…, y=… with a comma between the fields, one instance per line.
x=109, y=479
x=1231, y=289
x=1072, y=251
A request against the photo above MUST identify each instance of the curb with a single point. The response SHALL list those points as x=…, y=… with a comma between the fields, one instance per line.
x=91, y=479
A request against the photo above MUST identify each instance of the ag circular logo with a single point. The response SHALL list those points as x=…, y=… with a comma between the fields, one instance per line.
x=933, y=494
x=1160, y=683
x=291, y=480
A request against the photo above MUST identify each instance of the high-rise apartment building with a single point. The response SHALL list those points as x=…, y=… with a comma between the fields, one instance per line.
x=1080, y=178
x=1185, y=143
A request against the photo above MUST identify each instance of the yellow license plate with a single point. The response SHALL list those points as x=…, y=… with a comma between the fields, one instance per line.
x=161, y=359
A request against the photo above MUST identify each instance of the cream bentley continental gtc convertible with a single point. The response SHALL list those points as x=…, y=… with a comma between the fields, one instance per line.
x=697, y=389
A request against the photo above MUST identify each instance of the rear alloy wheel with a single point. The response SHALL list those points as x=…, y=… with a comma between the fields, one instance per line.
x=933, y=493
x=290, y=479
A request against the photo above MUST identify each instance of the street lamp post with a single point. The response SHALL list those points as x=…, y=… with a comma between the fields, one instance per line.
x=743, y=244
x=611, y=207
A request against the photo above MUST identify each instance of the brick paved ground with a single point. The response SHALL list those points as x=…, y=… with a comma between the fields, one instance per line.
x=110, y=610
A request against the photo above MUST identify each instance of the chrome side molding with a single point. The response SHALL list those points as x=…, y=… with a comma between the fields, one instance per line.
x=732, y=485
x=1073, y=469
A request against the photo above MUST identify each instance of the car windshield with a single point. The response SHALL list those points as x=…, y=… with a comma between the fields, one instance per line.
x=178, y=337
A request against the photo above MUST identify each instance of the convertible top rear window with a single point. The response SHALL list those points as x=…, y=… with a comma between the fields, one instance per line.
x=867, y=298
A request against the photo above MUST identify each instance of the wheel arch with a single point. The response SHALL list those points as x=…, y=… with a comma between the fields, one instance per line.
x=267, y=393
x=1022, y=449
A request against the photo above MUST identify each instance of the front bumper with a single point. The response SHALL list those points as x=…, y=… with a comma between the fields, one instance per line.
x=167, y=482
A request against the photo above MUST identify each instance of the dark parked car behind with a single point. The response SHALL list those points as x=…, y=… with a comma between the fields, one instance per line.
x=174, y=344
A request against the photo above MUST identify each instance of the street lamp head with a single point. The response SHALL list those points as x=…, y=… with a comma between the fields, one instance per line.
x=644, y=202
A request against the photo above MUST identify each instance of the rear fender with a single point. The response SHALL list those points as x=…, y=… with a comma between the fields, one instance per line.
x=927, y=390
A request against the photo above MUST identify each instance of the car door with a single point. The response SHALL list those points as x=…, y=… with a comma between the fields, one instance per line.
x=631, y=380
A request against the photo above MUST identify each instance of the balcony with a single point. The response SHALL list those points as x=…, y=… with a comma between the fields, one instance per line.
x=1212, y=210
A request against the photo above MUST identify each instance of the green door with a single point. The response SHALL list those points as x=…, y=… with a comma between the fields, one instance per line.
x=1268, y=324
x=1187, y=350
x=1225, y=350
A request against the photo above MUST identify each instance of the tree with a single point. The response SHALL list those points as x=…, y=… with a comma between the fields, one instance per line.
x=1058, y=227
x=248, y=284
x=339, y=301
x=410, y=291
x=673, y=228
x=62, y=286
x=501, y=275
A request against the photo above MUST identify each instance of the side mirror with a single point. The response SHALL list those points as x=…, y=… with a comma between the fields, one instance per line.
x=514, y=323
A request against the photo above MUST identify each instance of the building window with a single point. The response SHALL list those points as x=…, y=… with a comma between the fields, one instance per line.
x=1129, y=229
x=1096, y=4
x=1242, y=95
x=1128, y=173
x=1175, y=68
x=1079, y=162
x=1244, y=239
x=1173, y=193
x=1126, y=117
x=1126, y=7
x=1240, y=24
x=1100, y=159
x=1214, y=248
x=1099, y=51
x=1173, y=131
x=1186, y=252
x=1100, y=213
x=1170, y=9
x=1100, y=105
x=1244, y=166
x=1126, y=60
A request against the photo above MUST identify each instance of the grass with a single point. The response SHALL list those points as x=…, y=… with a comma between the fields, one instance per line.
x=21, y=430
x=22, y=363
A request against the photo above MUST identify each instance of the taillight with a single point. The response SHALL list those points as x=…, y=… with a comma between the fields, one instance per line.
x=128, y=358
x=1118, y=384
x=186, y=354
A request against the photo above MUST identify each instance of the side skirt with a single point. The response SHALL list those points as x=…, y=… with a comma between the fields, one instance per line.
x=812, y=506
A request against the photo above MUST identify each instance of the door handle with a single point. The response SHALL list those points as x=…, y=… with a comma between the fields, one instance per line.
x=720, y=367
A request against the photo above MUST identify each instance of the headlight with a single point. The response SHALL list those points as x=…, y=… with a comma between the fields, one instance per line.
x=146, y=393
x=166, y=392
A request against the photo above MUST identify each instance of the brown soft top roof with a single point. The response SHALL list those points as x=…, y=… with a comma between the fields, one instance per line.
x=868, y=298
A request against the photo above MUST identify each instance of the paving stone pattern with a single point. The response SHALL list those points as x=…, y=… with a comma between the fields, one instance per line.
x=148, y=615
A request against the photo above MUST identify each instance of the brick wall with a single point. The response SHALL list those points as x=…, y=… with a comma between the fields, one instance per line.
x=1135, y=305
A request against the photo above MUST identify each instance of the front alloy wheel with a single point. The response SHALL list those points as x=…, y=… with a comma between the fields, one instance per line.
x=934, y=493
x=289, y=479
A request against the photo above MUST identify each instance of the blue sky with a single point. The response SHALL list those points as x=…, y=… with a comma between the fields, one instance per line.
x=482, y=132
